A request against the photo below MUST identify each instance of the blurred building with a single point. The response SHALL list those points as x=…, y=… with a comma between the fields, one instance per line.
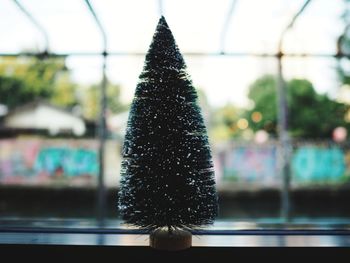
x=41, y=116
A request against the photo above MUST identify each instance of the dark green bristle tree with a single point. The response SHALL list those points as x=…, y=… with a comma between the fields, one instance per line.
x=167, y=176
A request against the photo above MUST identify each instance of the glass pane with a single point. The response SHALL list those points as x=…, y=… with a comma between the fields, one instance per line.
x=50, y=106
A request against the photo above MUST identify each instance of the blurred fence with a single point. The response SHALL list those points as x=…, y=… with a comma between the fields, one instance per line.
x=75, y=162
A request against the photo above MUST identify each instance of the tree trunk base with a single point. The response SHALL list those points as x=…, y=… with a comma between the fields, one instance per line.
x=173, y=240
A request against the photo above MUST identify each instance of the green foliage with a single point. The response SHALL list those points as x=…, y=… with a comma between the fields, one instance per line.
x=224, y=123
x=91, y=100
x=64, y=91
x=23, y=80
x=343, y=46
x=310, y=115
x=263, y=93
x=10, y=86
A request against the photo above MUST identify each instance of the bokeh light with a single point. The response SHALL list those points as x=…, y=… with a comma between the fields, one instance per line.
x=339, y=134
x=242, y=124
x=256, y=116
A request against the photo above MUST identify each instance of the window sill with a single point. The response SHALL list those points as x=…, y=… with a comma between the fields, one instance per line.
x=222, y=234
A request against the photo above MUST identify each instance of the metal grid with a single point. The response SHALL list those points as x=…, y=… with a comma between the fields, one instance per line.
x=284, y=143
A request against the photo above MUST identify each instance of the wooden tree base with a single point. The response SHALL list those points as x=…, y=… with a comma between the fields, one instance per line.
x=174, y=240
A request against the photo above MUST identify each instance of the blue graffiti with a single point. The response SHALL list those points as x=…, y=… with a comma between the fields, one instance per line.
x=71, y=162
x=250, y=164
x=318, y=164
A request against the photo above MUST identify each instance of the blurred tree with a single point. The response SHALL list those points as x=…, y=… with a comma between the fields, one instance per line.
x=12, y=86
x=263, y=116
x=343, y=46
x=26, y=79
x=223, y=125
x=64, y=92
x=91, y=100
x=23, y=80
x=310, y=115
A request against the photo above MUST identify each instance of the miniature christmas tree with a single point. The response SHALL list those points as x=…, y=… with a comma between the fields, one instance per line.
x=167, y=177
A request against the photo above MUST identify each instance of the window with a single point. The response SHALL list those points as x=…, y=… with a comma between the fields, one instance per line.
x=272, y=79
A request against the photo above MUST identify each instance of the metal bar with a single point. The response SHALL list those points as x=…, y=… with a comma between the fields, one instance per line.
x=35, y=23
x=292, y=22
x=283, y=136
x=284, y=165
x=226, y=26
x=99, y=25
x=101, y=193
x=189, y=54
x=224, y=232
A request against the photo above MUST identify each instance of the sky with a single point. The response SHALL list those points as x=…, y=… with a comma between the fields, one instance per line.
x=255, y=26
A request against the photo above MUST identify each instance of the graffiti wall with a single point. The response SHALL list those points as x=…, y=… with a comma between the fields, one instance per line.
x=310, y=164
x=320, y=164
x=33, y=161
x=75, y=162
x=249, y=164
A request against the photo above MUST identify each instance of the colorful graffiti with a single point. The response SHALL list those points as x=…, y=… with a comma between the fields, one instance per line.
x=45, y=161
x=250, y=164
x=314, y=164
x=309, y=164
x=71, y=162
x=35, y=161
